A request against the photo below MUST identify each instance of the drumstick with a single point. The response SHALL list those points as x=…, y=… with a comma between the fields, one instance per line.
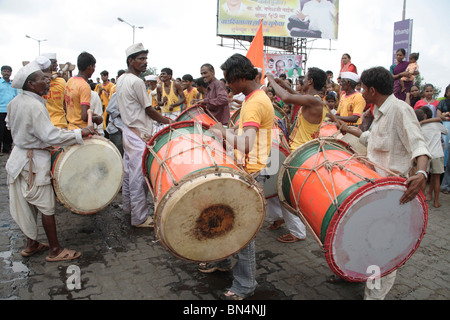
x=89, y=122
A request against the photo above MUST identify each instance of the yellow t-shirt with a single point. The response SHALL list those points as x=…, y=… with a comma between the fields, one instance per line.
x=305, y=131
x=351, y=105
x=105, y=97
x=190, y=96
x=257, y=111
x=55, y=103
x=77, y=93
x=171, y=99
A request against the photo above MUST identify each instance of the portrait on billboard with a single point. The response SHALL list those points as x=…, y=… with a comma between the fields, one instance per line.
x=278, y=64
x=281, y=18
x=315, y=19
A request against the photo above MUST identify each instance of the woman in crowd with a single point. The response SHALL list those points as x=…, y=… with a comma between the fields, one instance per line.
x=347, y=65
x=399, y=72
x=413, y=95
x=428, y=99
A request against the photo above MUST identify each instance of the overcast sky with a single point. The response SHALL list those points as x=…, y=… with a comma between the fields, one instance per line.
x=181, y=34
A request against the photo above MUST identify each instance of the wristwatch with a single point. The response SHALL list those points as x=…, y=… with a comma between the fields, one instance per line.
x=423, y=172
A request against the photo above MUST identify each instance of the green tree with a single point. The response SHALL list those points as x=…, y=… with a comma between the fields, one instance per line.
x=420, y=82
x=149, y=71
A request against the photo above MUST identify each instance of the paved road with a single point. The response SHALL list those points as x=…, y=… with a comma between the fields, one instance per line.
x=121, y=262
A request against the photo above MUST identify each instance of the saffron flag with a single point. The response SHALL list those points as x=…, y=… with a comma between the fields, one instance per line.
x=256, y=51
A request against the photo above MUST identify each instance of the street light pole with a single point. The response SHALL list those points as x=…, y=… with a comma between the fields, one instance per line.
x=39, y=42
x=131, y=25
x=404, y=9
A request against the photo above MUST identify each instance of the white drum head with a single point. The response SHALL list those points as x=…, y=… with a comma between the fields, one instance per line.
x=88, y=177
x=374, y=232
x=209, y=217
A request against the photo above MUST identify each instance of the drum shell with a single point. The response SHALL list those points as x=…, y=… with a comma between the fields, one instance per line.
x=197, y=113
x=185, y=191
x=87, y=178
x=325, y=199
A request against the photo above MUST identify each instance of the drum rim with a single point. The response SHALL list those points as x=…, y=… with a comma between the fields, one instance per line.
x=167, y=197
x=205, y=110
x=343, y=209
x=57, y=188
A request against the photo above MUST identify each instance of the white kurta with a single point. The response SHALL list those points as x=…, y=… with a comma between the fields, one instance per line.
x=32, y=129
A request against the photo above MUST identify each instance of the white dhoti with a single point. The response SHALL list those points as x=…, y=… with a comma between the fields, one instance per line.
x=275, y=211
x=134, y=188
x=380, y=292
x=157, y=126
x=25, y=203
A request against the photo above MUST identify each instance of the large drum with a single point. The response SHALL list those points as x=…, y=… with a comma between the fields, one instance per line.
x=87, y=178
x=197, y=113
x=328, y=129
x=206, y=208
x=352, y=211
x=279, y=151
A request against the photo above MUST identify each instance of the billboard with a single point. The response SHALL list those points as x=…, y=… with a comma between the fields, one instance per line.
x=402, y=38
x=290, y=65
x=281, y=18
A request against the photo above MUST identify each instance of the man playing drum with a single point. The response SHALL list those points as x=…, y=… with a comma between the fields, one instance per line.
x=252, y=141
x=28, y=167
x=307, y=127
x=395, y=142
x=137, y=114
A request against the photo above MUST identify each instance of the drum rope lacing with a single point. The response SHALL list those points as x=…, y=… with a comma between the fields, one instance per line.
x=163, y=163
x=329, y=165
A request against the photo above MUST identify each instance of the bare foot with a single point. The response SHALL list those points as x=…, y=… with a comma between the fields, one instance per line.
x=428, y=197
x=437, y=205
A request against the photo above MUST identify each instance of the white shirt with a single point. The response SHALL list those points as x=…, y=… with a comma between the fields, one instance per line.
x=132, y=100
x=97, y=108
x=395, y=138
x=321, y=17
x=432, y=133
x=31, y=128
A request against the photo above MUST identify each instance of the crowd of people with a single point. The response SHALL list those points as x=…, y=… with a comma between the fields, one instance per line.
x=40, y=108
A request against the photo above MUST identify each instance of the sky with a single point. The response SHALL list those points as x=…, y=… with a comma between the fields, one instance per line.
x=181, y=34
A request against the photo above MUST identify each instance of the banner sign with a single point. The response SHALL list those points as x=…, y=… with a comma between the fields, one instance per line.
x=402, y=37
x=278, y=64
x=281, y=18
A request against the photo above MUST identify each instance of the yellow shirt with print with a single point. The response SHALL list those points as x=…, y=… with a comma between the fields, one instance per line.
x=351, y=105
x=55, y=103
x=190, y=95
x=77, y=93
x=257, y=111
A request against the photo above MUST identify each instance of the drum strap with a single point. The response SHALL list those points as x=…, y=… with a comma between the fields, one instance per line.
x=31, y=175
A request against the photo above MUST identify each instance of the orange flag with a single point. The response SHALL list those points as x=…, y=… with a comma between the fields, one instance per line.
x=256, y=51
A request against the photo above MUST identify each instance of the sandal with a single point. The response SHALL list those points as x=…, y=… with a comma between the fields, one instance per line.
x=64, y=255
x=209, y=268
x=229, y=295
x=147, y=223
x=275, y=225
x=289, y=238
x=40, y=248
x=334, y=279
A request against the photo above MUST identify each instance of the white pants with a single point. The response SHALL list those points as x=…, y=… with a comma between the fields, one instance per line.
x=25, y=203
x=157, y=126
x=386, y=284
x=276, y=211
x=134, y=187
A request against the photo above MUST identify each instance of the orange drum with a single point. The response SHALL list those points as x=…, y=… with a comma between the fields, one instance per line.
x=197, y=113
x=206, y=208
x=87, y=177
x=352, y=211
x=328, y=129
x=280, y=150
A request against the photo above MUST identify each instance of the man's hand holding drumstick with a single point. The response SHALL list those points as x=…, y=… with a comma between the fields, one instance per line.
x=89, y=129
